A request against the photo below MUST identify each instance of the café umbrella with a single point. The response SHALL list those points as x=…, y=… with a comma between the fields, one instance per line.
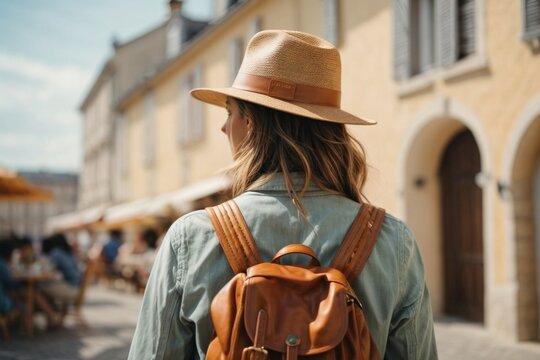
x=14, y=187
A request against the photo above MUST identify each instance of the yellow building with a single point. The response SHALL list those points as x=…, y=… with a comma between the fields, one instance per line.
x=455, y=88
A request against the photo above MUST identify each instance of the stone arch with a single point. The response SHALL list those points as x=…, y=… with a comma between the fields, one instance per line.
x=517, y=186
x=420, y=155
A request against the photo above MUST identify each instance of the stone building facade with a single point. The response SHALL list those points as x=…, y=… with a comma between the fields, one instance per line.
x=454, y=87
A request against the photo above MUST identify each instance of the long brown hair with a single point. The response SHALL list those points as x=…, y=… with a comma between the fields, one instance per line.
x=324, y=152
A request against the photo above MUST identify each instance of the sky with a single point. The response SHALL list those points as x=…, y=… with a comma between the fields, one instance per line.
x=50, y=54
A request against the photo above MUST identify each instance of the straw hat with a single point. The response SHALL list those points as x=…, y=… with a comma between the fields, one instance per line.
x=290, y=71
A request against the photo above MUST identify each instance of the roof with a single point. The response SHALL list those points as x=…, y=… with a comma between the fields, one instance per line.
x=189, y=47
x=37, y=177
x=151, y=53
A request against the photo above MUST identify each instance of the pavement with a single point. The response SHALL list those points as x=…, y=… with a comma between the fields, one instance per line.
x=460, y=340
x=111, y=315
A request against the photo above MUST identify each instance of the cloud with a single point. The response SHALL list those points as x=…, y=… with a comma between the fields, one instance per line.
x=39, y=120
x=32, y=83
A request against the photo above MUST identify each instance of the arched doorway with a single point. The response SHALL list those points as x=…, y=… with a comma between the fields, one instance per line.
x=536, y=210
x=462, y=224
x=524, y=185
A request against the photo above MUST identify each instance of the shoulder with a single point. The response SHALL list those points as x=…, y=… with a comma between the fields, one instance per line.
x=397, y=232
x=396, y=249
x=195, y=224
x=410, y=265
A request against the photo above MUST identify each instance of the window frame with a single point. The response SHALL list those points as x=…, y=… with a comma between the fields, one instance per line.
x=411, y=84
x=527, y=35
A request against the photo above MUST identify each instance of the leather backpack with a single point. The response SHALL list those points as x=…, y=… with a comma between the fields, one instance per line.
x=274, y=311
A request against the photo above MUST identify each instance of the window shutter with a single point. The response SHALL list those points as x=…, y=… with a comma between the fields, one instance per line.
x=467, y=28
x=446, y=15
x=422, y=29
x=531, y=23
x=402, y=48
x=198, y=119
x=236, y=53
x=149, y=131
x=121, y=143
x=331, y=14
x=184, y=113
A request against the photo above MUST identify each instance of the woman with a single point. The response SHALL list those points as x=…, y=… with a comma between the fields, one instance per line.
x=297, y=178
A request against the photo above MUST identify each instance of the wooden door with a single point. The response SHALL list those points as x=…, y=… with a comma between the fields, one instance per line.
x=461, y=201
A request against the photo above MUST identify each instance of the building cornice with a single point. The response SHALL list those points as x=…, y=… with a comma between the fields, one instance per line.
x=106, y=70
x=108, y=67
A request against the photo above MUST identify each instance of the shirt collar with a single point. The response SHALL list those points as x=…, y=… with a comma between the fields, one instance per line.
x=277, y=183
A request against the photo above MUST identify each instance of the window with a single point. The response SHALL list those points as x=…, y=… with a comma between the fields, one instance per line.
x=191, y=122
x=466, y=28
x=531, y=19
x=428, y=33
x=121, y=146
x=236, y=54
x=331, y=21
x=457, y=30
x=149, y=129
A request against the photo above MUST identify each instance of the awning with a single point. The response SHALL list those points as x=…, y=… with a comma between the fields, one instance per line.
x=183, y=200
x=128, y=211
x=180, y=201
x=76, y=220
x=15, y=188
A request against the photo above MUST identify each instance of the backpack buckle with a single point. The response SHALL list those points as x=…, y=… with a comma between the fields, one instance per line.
x=254, y=353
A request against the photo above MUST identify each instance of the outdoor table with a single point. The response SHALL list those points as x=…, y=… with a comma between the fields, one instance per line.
x=31, y=278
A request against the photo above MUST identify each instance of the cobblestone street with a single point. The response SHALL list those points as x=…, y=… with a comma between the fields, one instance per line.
x=111, y=317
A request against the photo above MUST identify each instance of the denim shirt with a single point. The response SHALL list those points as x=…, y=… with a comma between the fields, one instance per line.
x=190, y=268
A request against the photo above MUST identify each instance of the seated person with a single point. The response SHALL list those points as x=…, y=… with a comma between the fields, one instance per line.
x=14, y=290
x=7, y=306
x=112, y=245
x=61, y=257
x=26, y=254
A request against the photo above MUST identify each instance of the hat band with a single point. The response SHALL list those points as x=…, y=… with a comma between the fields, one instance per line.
x=288, y=91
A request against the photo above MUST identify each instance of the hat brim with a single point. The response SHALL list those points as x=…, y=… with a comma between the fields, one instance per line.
x=219, y=97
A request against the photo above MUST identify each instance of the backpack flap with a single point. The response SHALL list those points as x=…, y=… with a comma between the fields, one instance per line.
x=306, y=304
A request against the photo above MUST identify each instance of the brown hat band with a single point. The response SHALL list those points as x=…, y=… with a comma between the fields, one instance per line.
x=288, y=91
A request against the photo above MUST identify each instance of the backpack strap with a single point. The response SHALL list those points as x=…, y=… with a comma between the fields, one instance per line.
x=359, y=241
x=234, y=236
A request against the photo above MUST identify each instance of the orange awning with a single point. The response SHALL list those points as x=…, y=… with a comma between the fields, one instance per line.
x=15, y=188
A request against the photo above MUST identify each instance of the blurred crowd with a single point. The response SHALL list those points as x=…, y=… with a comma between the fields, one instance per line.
x=61, y=267
x=127, y=262
x=20, y=261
